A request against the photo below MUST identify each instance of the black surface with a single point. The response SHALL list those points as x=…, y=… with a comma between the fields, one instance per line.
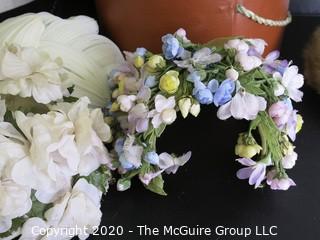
x=206, y=192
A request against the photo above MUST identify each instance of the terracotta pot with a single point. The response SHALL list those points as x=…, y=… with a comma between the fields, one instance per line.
x=136, y=23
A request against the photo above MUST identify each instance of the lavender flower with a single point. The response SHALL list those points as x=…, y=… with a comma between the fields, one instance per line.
x=255, y=171
x=284, y=117
x=271, y=64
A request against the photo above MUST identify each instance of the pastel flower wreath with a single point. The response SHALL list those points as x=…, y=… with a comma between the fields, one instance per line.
x=149, y=89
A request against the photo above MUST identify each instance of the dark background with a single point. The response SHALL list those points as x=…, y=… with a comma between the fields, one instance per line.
x=206, y=192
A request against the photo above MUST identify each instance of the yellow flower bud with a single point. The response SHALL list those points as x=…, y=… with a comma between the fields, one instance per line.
x=195, y=109
x=115, y=93
x=138, y=61
x=169, y=82
x=115, y=107
x=154, y=62
x=247, y=151
x=299, y=123
x=121, y=85
x=184, y=106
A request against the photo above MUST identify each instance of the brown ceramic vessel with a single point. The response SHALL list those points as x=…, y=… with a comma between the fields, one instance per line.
x=136, y=23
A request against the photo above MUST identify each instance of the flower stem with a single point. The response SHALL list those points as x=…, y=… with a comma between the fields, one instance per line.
x=263, y=140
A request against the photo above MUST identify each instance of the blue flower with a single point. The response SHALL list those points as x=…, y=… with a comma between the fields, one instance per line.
x=213, y=85
x=202, y=93
x=118, y=146
x=193, y=77
x=150, y=81
x=141, y=52
x=224, y=92
x=152, y=157
x=171, y=47
x=125, y=164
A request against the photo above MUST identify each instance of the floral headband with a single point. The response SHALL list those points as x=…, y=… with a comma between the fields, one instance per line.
x=149, y=89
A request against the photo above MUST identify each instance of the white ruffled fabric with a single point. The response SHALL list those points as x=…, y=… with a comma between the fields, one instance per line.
x=87, y=57
x=28, y=72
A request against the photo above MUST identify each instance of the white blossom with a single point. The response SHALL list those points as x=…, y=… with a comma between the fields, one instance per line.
x=164, y=111
x=126, y=102
x=15, y=202
x=292, y=81
x=243, y=105
x=63, y=143
x=28, y=72
x=80, y=207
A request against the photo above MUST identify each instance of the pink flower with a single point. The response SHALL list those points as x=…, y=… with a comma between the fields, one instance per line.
x=284, y=117
x=280, y=113
x=276, y=183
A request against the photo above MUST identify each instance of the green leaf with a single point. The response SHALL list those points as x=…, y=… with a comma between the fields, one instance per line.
x=160, y=130
x=70, y=99
x=123, y=184
x=38, y=209
x=156, y=186
x=26, y=105
x=131, y=174
x=100, y=178
x=148, y=133
x=254, y=89
x=16, y=224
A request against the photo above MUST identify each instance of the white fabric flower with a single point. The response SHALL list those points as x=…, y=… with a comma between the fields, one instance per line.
x=292, y=81
x=289, y=161
x=64, y=142
x=126, y=102
x=13, y=148
x=164, y=111
x=258, y=44
x=87, y=56
x=32, y=229
x=80, y=207
x=171, y=164
x=232, y=74
x=167, y=163
x=248, y=62
x=15, y=202
x=28, y=72
x=237, y=44
x=90, y=132
x=203, y=57
x=132, y=153
x=53, y=158
x=243, y=105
